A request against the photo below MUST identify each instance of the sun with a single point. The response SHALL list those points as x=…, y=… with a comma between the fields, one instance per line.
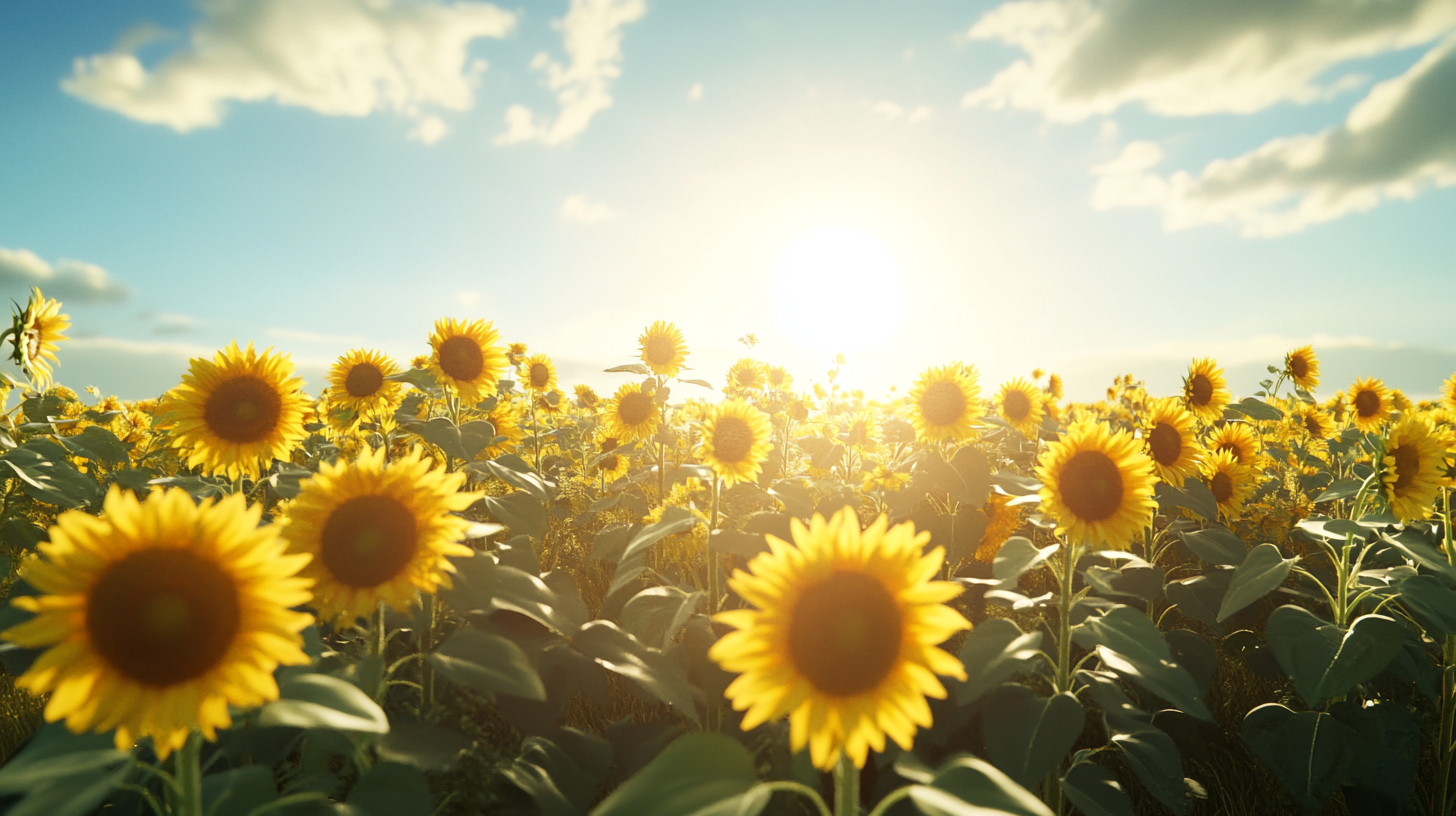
x=838, y=289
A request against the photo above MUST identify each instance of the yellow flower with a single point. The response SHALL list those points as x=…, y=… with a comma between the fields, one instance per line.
x=1098, y=485
x=515, y=352
x=1413, y=469
x=663, y=349
x=611, y=465
x=1001, y=523
x=1448, y=393
x=862, y=430
x=1317, y=423
x=467, y=356
x=1054, y=386
x=358, y=381
x=1370, y=404
x=780, y=378
x=35, y=336
x=1238, y=438
x=1232, y=482
x=1020, y=404
x=237, y=410
x=943, y=403
x=1302, y=368
x=1204, y=390
x=631, y=414
x=586, y=397
x=843, y=636
x=539, y=374
x=736, y=441
x=747, y=374
x=1172, y=445
x=377, y=533
x=160, y=615
x=507, y=417
x=882, y=478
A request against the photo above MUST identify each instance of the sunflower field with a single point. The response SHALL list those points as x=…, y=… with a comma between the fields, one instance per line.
x=456, y=587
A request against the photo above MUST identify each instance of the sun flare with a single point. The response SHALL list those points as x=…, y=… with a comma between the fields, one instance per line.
x=838, y=289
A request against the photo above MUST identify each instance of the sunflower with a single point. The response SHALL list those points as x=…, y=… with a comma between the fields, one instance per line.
x=544, y=404
x=377, y=533
x=1230, y=481
x=466, y=356
x=843, y=638
x=799, y=408
x=508, y=418
x=631, y=414
x=663, y=349
x=747, y=374
x=884, y=479
x=160, y=615
x=237, y=409
x=538, y=372
x=1448, y=393
x=1237, y=437
x=943, y=403
x=1054, y=386
x=1315, y=422
x=736, y=441
x=861, y=430
x=1172, y=446
x=1020, y=404
x=586, y=398
x=515, y=353
x=1370, y=404
x=34, y=335
x=1098, y=485
x=779, y=378
x=1204, y=390
x=1413, y=468
x=1302, y=368
x=359, y=381
x=1001, y=523
x=611, y=465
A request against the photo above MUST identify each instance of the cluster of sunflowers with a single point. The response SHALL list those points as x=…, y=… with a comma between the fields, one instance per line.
x=207, y=537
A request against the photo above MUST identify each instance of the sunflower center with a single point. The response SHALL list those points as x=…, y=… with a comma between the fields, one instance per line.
x=461, y=358
x=1165, y=443
x=540, y=375
x=163, y=616
x=1016, y=406
x=363, y=380
x=1091, y=485
x=608, y=463
x=1234, y=449
x=943, y=403
x=844, y=634
x=609, y=444
x=1407, y=462
x=1367, y=404
x=368, y=540
x=732, y=439
x=634, y=408
x=1200, y=390
x=1312, y=424
x=1298, y=367
x=243, y=409
x=659, y=350
x=1222, y=487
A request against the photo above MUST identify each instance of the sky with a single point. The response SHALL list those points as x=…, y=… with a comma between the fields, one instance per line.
x=1086, y=186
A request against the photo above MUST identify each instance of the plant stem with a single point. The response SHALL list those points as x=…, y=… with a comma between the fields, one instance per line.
x=715, y=706
x=381, y=640
x=189, y=776
x=427, y=671
x=1052, y=790
x=1443, y=747
x=846, y=787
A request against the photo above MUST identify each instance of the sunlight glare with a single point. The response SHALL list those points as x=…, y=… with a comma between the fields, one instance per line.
x=838, y=289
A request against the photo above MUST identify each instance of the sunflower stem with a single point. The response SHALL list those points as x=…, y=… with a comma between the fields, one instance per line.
x=189, y=776
x=715, y=706
x=846, y=787
x=427, y=671
x=380, y=636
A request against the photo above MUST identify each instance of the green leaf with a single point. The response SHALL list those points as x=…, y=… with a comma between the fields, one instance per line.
x=46, y=476
x=1018, y=555
x=197, y=488
x=238, y=791
x=1216, y=545
x=1414, y=546
x=970, y=786
x=1014, y=485
x=427, y=747
x=674, y=520
x=656, y=614
x=795, y=497
x=561, y=777
x=623, y=654
x=489, y=664
x=473, y=583
x=1254, y=409
x=1310, y=753
x=523, y=513
x=1027, y=735
x=420, y=378
x=1326, y=661
x=21, y=535
x=965, y=478
x=392, y=789
x=630, y=368
x=1094, y=791
x=993, y=652
x=514, y=471
x=321, y=701
x=1153, y=757
x=1431, y=600
x=95, y=442
x=63, y=774
x=1193, y=495
x=1132, y=646
x=694, y=772
x=1261, y=573
x=1341, y=489
x=551, y=600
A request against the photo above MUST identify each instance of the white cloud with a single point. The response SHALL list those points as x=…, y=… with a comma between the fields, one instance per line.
x=65, y=280
x=1399, y=140
x=164, y=323
x=467, y=299
x=888, y=111
x=591, y=33
x=582, y=210
x=695, y=93
x=431, y=129
x=335, y=57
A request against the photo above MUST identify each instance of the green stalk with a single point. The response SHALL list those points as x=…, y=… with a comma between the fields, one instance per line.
x=846, y=787
x=381, y=640
x=1443, y=742
x=715, y=706
x=189, y=776
x=427, y=671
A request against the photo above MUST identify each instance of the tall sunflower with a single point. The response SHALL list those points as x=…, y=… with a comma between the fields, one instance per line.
x=1171, y=442
x=663, y=349
x=538, y=373
x=943, y=403
x=747, y=374
x=736, y=441
x=1302, y=368
x=358, y=381
x=609, y=464
x=843, y=636
x=1204, y=390
x=1315, y=421
x=1230, y=481
x=508, y=416
x=1370, y=404
x=779, y=378
x=1448, y=394
x=237, y=412
x=1413, y=469
x=35, y=334
x=377, y=533
x=467, y=356
x=1237, y=437
x=1020, y=404
x=159, y=615
x=631, y=414
x=1098, y=485
x=586, y=397
x=861, y=430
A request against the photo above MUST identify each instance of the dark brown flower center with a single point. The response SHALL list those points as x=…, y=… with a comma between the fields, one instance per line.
x=368, y=540
x=634, y=408
x=243, y=409
x=1237, y=451
x=659, y=350
x=540, y=375
x=1313, y=425
x=1016, y=406
x=1200, y=390
x=163, y=616
x=610, y=444
x=844, y=634
x=943, y=403
x=1407, y=463
x=608, y=463
x=1165, y=443
x=1222, y=487
x=1091, y=485
x=1367, y=404
x=732, y=439
x=461, y=358
x=363, y=380
x=1298, y=367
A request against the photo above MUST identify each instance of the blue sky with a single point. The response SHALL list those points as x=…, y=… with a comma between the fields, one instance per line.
x=1090, y=187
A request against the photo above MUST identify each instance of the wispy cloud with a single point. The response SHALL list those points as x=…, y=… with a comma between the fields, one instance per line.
x=430, y=129
x=582, y=210
x=67, y=280
x=164, y=323
x=303, y=336
x=888, y=111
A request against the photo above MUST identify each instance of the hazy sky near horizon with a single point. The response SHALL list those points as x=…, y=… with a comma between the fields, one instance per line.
x=1087, y=186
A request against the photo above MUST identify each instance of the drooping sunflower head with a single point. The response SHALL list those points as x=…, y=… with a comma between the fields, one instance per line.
x=944, y=403
x=747, y=374
x=1204, y=390
x=159, y=615
x=663, y=349
x=467, y=356
x=861, y=429
x=1054, y=385
x=1001, y=523
x=1171, y=441
x=1316, y=422
x=736, y=441
x=1302, y=368
x=358, y=381
x=1020, y=403
x=35, y=336
x=1230, y=481
x=842, y=636
x=1400, y=401
x=586, y=397
x=609, y=463
x=1239, y=438
x=1370, y=404
x=515, y=353
x=234, y=414
x=538, y=373
x=632, y=414
x=1098, y=485
x=1413, y=468
x=377, y=533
